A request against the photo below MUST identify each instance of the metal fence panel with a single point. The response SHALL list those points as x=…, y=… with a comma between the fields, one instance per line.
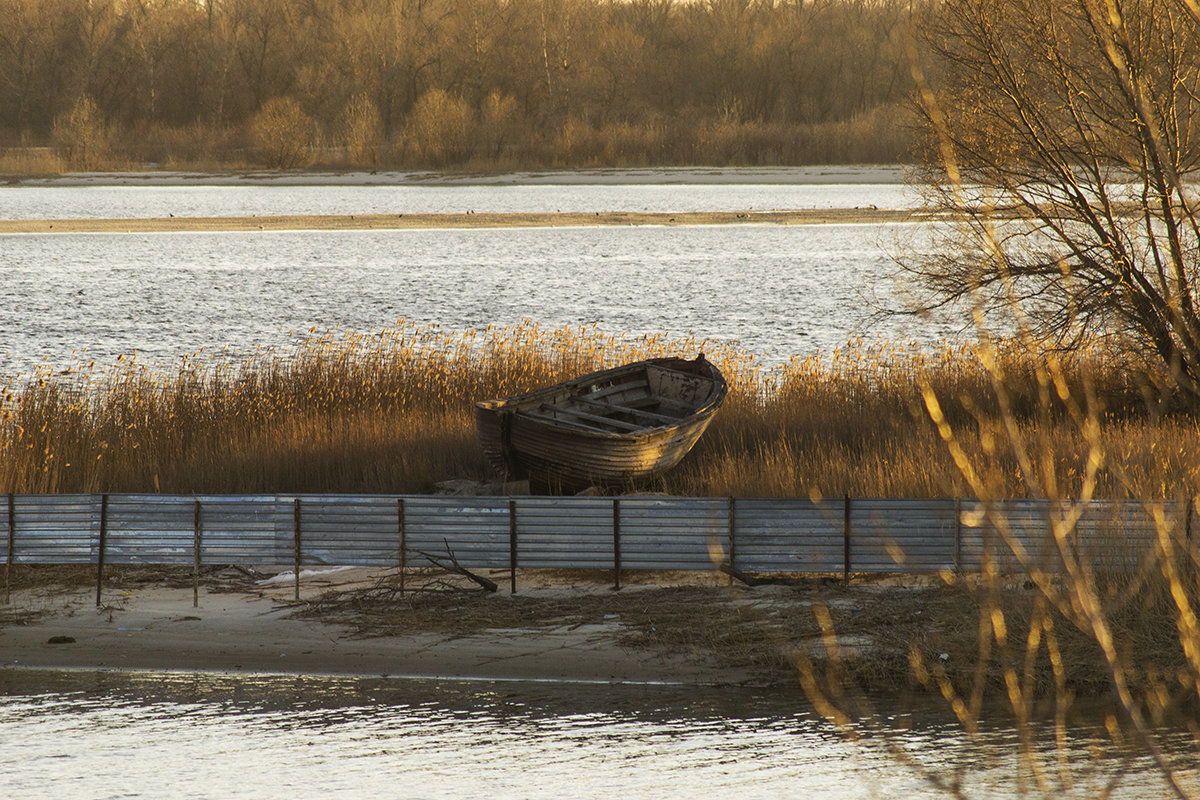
x=474, y=530
x=56, y=529
x=564, y=532
x=245, y=529
x=687, y=533
x=6, y=529
x=150, y=529
x=788, y=535
x=349, y=530
x=764, y=535
x=1006, y=533
x=1119, y=535
x=1116, y=535
x=902, y=535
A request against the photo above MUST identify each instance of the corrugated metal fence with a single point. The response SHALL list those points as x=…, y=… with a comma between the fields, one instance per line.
x=849, y=535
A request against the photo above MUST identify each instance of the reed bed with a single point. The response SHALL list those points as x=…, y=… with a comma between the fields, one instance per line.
x=392, y=411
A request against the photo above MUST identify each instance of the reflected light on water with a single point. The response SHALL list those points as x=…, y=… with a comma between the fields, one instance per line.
x=100, y=735
x=774, y=291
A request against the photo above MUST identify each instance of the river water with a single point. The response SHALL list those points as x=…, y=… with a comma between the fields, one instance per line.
x=158, y=735
x=774, y=291
x=668, y=190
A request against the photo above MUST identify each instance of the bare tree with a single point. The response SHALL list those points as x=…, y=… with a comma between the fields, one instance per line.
x=1063, y=134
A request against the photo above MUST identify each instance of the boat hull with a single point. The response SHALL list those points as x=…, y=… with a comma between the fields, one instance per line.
x=544, y=436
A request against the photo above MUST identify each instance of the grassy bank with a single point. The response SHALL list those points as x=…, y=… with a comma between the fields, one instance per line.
x=392, y=411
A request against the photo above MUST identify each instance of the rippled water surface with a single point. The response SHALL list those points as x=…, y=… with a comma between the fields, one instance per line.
x=655, y=190
x=775, y=291
x=108, y=735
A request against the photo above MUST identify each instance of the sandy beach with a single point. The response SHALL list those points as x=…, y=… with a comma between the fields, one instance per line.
x=255, y=630
x=294, y=222
x=691, y=629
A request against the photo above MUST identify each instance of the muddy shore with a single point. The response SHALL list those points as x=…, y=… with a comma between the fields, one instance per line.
x=675, y=628
x=257, y=626
x=699, y=631
x=695, y=629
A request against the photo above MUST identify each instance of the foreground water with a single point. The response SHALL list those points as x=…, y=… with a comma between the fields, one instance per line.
x=157, y=735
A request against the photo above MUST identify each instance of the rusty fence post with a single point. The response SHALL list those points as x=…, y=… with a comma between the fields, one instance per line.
x=512, y=545
x=8, y=559
x=296, y=545
x=732, y=538
x=403, y=546
x=846, y=541
x=196, y=553
x=616, y=529
x=100, y=550
x=958, y=535
x=1189, y=556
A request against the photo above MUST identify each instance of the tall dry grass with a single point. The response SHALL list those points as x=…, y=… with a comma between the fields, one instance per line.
x=1036, y=632
x=392, y=411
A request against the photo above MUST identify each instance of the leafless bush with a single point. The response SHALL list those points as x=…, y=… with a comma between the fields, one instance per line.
x=284, y=134
x=441, y=126
x=82, y=137
x=362, y=131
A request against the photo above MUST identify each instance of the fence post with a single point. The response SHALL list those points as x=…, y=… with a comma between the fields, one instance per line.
x=729, y=512
x=512, y=545
x=958, y=535
x=1189, y=563
x=8, y=562
x=100, y=553
x=403, y=546
x=616, y=527
x=196, y=553
x=296, y=545
x=846, y=541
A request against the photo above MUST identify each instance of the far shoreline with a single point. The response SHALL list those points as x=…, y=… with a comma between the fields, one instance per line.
x=825, y=174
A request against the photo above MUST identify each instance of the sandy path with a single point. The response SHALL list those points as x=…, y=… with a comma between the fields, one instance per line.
x=489, y=220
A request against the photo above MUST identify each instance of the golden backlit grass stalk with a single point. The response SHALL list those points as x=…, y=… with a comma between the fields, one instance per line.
x=392, y=411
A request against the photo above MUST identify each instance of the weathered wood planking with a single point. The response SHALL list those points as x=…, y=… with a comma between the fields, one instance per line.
x=607, y=427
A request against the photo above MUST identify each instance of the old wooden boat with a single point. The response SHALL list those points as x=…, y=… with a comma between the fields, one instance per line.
x=612, y=426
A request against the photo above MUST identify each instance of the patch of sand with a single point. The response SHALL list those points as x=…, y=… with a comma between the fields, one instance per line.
x=316, y=222
x=157, y=628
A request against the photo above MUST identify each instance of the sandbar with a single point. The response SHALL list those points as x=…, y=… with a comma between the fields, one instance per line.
x=323, y=222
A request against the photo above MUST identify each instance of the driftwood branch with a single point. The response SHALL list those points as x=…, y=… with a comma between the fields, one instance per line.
x=749, y=580
x=450, y=563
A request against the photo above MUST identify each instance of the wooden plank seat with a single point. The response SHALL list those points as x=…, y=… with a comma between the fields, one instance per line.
x=577, y=415
x=663, y=403
x=616, y=388
x=572, y=423
x=624, y=409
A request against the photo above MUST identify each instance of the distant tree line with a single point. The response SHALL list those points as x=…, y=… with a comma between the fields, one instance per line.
x=445, y=83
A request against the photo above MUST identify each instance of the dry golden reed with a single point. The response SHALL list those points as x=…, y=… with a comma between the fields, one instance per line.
x=392, y=411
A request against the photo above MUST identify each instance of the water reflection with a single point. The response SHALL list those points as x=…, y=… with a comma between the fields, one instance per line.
x=98, y=735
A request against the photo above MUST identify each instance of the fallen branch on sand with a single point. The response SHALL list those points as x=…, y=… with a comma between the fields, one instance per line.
x=456, y=568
